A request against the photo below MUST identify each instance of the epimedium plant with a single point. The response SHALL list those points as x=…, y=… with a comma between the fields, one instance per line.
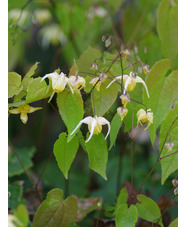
x=97, y=82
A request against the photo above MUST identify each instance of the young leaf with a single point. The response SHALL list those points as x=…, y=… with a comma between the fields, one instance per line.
x=97, y=154
x=102, y=100
x=174, y=223
x=126, y=217
x=21, y=214
x=65, y=152
x=148, y=209
x=14, y=84
x=71, y=109
x=122, y=198
x=170, y=163
x=167, y=26
x=116, y=124
x=54, y=212
x=162, y=89
x=37, y=90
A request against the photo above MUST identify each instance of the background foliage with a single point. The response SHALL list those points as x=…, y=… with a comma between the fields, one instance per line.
x=46, y=35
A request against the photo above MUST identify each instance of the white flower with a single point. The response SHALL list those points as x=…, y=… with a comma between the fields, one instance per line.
x=94, y=125
x=169, y=145
x=76, y=83
x=130, y=82
x=59, y=82
x=144, y=116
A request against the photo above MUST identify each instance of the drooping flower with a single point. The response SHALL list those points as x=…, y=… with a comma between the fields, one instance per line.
x=130, y=82
x=98, y=80
x=23, y=111
x=94, y=66
x=94, y=125
x=76, y=83
x=169, y=145
x=144, y=116
x=59, y=82
x=125, y=99
x=175, y=184
x=122, y=112
x=146, y=69
x=125, y=53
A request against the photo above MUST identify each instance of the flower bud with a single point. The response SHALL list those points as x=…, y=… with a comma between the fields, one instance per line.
x=169, y=145
x=146, y=69
x=94, y=66
x=125, y=99
x=122, y=112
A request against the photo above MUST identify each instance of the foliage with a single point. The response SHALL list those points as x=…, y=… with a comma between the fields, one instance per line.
x=98, y=127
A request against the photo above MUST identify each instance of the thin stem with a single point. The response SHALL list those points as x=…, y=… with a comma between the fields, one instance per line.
x=131, y=153
x=169, y=155
x=139, y=103
x=66, y=188
x=41, y=174
x=10, y=143
x=157, y=158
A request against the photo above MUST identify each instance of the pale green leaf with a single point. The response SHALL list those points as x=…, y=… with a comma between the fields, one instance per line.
x=98, y=154
x=167, y=26
x=86, y=59
x=174, y=223
x=71, y=109
x=65, y=152
x=163, y=90
x=31, y=70
x=102, y=100
x=116, y=124
x=38, y=90
x=14, y=84
x=54, y=212
x=16, y=104
x=21, y=214
x=170, y=163
x=122, y=198
x=148, y=209
x=126, y=217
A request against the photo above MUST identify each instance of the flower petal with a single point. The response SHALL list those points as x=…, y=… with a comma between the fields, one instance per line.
x=103, y=121
x=139, y=80
x=86, y=120
x=33, y=109
x=15, y=111
x=50, y=76
x=92, y=126
x=116, y=78
x=24, y=117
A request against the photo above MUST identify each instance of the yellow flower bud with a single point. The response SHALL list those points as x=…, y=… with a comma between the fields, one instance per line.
x=144, y=116
x=122, y=112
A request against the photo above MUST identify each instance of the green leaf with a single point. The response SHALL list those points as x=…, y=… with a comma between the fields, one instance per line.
x=65, y=152
x=21, y=214
x=86, y=59
x=38, y=90
x=54, y=212
x=174, y=223
x=162, y=89
x=116, y=124
x=126, y=217
x=167, y=26
x=14, y=84
x=25, y=155
x=114, y=5
x=15, y=194
x=16, y=104
x=102, y=100
x=170, y=163
x=97, y=154
x=71, y=109
x=122, y=198
x=148, y=209
x=31, y=71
